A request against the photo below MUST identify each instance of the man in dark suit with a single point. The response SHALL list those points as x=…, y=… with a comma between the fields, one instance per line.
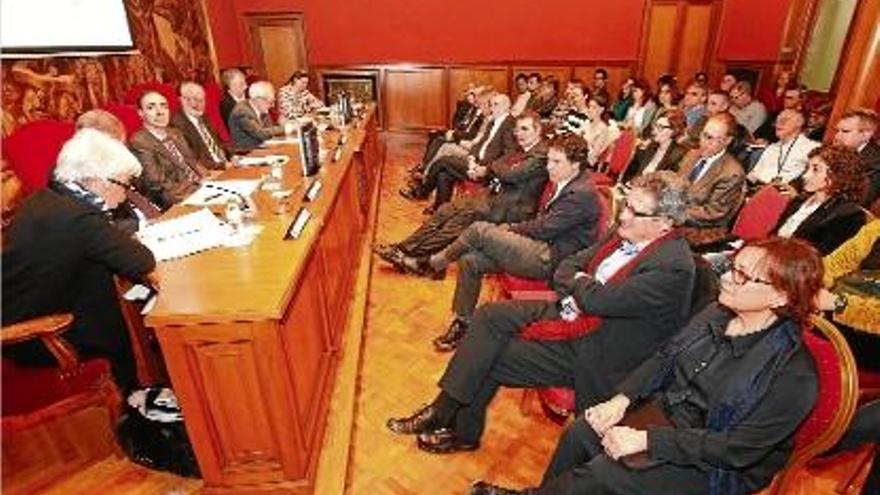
x=199, y=134
x=516, y=181
x=855, y=130
x=236, y=88
x=171, y=170
x=662, y=152
x=717, y=182
x=568, y=221
x=61, y=252
x=618, y=302
x=446, y=172
x=249, y=122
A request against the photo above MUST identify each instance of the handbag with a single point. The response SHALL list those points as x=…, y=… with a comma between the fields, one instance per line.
x=646, y=416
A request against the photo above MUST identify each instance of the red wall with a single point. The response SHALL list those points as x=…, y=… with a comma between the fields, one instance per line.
x=441, y=31
x=752, y=29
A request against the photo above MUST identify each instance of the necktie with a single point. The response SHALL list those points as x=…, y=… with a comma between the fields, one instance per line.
x=216, y=153
x=172, y=148
x=697, y=171
x=629, y=248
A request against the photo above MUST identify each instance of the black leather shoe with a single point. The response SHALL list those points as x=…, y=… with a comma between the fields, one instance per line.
x=483, y=488
x=429, y=210
x=412, y=193
x=443, y=441
x=449, y=340
x=385, y=251
x=419, y=422
x=424, y=268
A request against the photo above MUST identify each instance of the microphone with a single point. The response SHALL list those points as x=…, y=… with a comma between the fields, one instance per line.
x=245, y=200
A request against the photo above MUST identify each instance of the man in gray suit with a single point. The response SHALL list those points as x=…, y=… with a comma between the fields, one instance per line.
x=249, y=122
x=170, y=169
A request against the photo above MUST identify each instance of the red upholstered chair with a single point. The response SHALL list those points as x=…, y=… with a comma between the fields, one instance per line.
x=56, y=420
x=168, y=91
x=760, y=214
x=621, y=153
x=33, y=148
x=128, y=115
x=213, y=95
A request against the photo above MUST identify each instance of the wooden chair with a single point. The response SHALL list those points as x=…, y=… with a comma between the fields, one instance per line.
x=56, y=420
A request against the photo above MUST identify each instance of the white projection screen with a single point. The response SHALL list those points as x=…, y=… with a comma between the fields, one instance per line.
x=33, y=27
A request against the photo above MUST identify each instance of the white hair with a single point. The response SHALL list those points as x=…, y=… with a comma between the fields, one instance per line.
x=189, y=87
x=261, y=89
x=91, y=154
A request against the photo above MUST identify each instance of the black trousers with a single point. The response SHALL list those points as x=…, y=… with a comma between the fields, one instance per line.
x=445, y=225
x=580, y=467
x=442, y=177
x=490, y=355
x=436, y=139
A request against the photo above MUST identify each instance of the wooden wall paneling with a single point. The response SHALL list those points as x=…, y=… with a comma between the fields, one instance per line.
x=413, y=98
x=659, y=43
x=460, y=77
x=857, y=83
x=278, y=44
x=692, y=53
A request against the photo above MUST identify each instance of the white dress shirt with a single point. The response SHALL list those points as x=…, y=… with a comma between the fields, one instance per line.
x=783, y=162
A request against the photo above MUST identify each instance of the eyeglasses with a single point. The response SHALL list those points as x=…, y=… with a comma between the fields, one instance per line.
x=662, y=126
x=638, y=214
x=739, y=277
x=119, y=183
x=705, y=135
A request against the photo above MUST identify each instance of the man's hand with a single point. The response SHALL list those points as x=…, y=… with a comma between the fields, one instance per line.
x=603, y=416
x=449, y=135
x=152, y=278
x=477, y=172
x=622, y=441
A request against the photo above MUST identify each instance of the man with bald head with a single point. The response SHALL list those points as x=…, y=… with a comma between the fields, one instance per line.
x=249, y=122
x=199, y=133
x=497, y=141
x=786, y=159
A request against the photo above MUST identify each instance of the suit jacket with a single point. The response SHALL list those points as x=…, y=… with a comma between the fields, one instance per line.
x=521, y=178
x=59, y=255
x=501, y=143
x=227, y=103
x=164, y=180
x=870, y=155
x=569, y=222
x=832, y=224
x=643, y=156
x=639, y=313
x=715, y=198
x=194, y=139
x=247, y=129
x=469, y=128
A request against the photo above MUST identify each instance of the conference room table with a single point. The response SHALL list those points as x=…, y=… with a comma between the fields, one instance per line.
x=250, y=335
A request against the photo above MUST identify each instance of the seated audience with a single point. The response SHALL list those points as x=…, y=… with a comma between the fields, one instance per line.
x=600, y=84
x=516, y=181
x=567, y=222
x=295, y=100
x=641, y=112
x=718, y=102
x=250, y=123
x=467, y=123
x=728, y=81
x=792, y=99
x=727, y=393
x=786, y=159
x=693, y=104
x=774, y=99
x=522, y=96
x=717, y=182
x=620, y=108
x=236, y=86
x=855, y=130
x=465, y=109
x=61, y=251
x=446, y=171
x=597, y=131
x=618, y=302
x=170, y=169
x=817, y=121
x=748, y=111
x=661, y=152
x=575, y=117
x=702, y=79
x=545, y=101
x=199, y=133
x=667, y=99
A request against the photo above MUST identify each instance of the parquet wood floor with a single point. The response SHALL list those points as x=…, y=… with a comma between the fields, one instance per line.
x=400, y=370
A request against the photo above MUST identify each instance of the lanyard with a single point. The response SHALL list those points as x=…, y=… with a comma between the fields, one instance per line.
x=783, y=157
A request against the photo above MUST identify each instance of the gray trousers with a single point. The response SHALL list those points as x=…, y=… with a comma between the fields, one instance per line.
x=488, y=248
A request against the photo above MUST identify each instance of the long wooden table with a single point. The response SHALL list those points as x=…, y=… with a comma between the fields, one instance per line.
x=250, y=335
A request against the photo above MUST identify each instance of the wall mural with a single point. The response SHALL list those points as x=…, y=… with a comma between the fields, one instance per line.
x=171, y=36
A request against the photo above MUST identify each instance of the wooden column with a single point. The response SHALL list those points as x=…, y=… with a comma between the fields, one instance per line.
x=859, y=76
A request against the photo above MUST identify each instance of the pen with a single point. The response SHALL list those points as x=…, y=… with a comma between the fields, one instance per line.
x=212, y=197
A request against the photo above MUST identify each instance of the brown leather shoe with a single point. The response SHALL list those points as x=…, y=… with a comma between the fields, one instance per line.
x=449, y=340
x=444, y=441
x=420, y=421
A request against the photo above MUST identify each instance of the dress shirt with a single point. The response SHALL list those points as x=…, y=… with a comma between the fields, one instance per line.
x=783, y=162
x=519, y=106
x=797, y=218
x=616, y=260
x=701, y=169
x=496, y=124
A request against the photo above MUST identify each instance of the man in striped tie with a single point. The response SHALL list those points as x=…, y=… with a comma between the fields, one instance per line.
x=199, y=133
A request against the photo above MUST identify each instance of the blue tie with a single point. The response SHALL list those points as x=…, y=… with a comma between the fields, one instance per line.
x=698, y=170
x=628, y=248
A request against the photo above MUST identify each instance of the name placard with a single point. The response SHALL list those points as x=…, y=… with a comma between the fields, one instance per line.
x=299, y=223
x=313, y=190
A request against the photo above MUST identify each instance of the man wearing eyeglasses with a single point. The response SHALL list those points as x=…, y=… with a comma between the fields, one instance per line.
x=617, y=303
x=249, y=122
x=717, y=182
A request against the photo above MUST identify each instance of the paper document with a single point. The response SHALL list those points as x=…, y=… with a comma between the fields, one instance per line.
x=279, y=140
x=185, y=235
x=218, y=192
x=258, y=161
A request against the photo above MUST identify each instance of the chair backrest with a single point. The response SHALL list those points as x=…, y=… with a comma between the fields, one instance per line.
x=33, y=148
x=621, y=152
x=168, y=91
x=127, y=114
x=213, y=96
x=838, y=392
x=760, y=214
x=607, y=212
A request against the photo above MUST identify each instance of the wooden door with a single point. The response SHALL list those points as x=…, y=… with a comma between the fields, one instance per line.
x=679, y=38
x=278, y=45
